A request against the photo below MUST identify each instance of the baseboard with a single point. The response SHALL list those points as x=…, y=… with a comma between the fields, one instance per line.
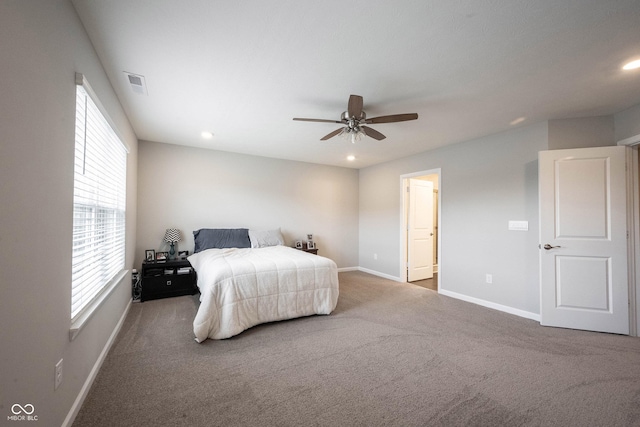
x=75, y=408
x=343, y=269
x=478, y=301
x=493, y=305
x=377, y=273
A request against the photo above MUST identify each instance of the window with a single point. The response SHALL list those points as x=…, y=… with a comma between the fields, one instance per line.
x=99, y=200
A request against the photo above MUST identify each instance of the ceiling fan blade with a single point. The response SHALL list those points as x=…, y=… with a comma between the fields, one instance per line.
x=317, y=120
x=373, y=133
x=393, y=118
x=332, y=134
x=355, y=106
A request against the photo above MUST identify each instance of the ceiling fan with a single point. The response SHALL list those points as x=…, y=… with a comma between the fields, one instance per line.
x=355, y=121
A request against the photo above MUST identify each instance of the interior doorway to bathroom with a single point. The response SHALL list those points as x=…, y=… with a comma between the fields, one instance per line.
x=420, y=225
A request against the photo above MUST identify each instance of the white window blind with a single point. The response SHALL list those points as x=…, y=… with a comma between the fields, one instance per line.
x=99, y=203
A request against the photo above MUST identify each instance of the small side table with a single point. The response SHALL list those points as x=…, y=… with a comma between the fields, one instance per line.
x=167, y=279
x=311, y=251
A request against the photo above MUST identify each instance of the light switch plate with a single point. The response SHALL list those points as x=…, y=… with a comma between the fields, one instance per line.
x=519, y=225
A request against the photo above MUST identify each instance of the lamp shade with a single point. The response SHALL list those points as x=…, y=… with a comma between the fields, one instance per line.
x=172, y=235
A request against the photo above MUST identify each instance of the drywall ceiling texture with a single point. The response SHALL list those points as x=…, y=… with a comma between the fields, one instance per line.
x=243, y=70
x=192, y=188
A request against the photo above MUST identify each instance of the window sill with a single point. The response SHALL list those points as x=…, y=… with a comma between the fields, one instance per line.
x=83, y=318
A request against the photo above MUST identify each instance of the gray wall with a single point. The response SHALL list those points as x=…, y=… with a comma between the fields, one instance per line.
x=42, y=45
x=581, y=132
x=193, y=188
x=627, y=123
x=484, y=184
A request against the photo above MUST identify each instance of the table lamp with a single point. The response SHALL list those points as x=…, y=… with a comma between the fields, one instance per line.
x=171, y=236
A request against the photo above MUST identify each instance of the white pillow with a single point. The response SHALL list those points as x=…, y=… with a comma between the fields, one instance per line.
x=264, y=238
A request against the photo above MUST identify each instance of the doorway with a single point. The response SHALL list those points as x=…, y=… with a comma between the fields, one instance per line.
x=634, y=228
x=420, y=242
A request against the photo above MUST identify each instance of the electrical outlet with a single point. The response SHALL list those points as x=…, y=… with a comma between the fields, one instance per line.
x=58, y=377
x=489, y=278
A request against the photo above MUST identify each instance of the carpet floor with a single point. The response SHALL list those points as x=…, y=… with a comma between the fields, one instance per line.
x=391, y=354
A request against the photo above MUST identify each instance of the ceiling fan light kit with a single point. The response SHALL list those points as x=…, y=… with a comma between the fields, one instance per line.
x=355, y=119
x=353, y=135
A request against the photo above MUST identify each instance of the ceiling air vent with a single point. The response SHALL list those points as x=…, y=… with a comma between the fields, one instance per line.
x=137, y=83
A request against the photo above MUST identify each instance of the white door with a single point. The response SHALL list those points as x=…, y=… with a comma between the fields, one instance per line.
x=583, y=239
x=420, y=230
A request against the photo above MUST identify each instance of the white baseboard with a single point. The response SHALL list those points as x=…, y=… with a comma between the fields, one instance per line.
x=75, y=408
x=473, y=300
x=493, y=305
x=343, y=269
x=377, y=273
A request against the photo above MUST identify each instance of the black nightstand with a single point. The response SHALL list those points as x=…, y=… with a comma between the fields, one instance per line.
x=167, y=279
x=311, y=251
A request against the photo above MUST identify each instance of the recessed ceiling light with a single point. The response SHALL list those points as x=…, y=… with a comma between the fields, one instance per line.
x=632, y=65
x=207, y=135
x=517, y=121
x=351, y=158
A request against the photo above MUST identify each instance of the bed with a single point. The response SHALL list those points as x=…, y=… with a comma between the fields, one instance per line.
x=249, y=277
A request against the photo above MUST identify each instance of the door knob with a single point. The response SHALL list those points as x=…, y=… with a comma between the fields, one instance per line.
x=548, y=246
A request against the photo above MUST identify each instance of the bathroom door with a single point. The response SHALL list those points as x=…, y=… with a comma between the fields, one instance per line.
x=420, y=230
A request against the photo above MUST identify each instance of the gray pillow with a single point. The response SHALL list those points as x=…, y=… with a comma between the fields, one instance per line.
x=264, y=238
x=207, y=238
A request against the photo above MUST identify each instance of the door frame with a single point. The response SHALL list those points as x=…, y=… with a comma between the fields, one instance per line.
x=403, y=222
x=633, y=226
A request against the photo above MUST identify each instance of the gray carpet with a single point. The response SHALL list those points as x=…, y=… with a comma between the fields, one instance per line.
x=391, y=354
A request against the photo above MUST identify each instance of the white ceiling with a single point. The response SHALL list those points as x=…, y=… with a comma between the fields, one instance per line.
x=244, y=69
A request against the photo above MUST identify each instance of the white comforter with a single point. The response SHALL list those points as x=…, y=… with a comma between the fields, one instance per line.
x=241, y=288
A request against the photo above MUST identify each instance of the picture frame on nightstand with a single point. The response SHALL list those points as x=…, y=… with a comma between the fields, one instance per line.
x=311, y=244
x=150, y=255
x=298, y=244
x=183, y=254
x=162, y=256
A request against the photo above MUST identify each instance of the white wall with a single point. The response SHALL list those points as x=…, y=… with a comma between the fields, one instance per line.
x=42, y=45
x=192, y=188
x=484, y=184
